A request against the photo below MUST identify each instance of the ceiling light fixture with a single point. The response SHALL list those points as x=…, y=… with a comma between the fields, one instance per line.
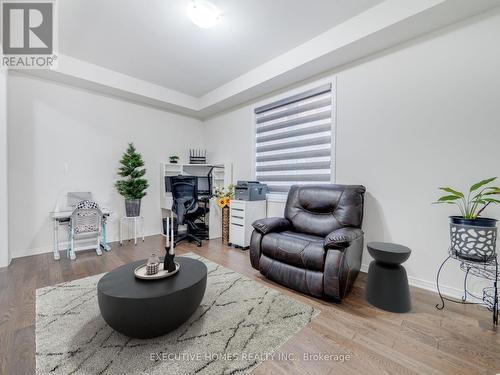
x=203, y=13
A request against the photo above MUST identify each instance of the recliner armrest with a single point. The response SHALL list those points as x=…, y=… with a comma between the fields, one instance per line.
x=272, y=224
x=342, y=238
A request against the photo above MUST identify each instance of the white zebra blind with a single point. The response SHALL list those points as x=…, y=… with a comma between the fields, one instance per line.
x=294, y=140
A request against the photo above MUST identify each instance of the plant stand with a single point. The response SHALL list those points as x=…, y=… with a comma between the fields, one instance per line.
x=138, y=222
x=487, y=270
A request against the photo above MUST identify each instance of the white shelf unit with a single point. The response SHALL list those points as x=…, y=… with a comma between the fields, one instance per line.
x=222, y=175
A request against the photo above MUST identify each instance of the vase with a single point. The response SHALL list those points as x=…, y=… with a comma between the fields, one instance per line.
x=473, y=239
x=225, y=225
x=152, y=266
x=168, y=262
x=133, y=207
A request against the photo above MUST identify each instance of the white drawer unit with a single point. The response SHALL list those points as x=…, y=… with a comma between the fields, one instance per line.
x=241, y=216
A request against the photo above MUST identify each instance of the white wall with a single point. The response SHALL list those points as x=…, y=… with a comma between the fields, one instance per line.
x=420, y=116
x=52, y=125
x=229, y=137
x=4, y=243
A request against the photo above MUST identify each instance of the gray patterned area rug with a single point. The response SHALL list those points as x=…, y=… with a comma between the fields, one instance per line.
x=239, y=323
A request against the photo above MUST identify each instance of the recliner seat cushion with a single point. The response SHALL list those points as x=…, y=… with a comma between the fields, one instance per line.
x=305, y=281
x=296, y=249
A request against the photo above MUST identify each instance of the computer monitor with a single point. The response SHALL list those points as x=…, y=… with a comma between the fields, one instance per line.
x=203, y=185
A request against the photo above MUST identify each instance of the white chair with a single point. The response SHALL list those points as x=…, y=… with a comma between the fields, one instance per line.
x=85, y=224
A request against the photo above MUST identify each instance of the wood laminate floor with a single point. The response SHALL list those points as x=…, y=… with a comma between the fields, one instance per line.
x=457, y=340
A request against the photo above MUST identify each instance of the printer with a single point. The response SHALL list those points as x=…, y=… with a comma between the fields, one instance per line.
x=250, y=191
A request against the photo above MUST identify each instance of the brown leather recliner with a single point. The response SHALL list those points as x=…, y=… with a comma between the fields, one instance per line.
x=317, y=247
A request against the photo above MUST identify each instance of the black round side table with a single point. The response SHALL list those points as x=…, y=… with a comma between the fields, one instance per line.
x=150, y=308
x=387, y=284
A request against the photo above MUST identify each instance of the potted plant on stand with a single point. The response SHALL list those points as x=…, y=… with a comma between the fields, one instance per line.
x=224, y=197
x=473, y=237
x=133, y=186
x=173, y=159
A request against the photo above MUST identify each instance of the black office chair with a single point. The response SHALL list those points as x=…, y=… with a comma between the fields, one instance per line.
x=185, y=206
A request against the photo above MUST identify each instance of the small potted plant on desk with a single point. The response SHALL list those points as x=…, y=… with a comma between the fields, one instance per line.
x=133, y=186
x=224, y=196
x=473, y=237
x=173, y=159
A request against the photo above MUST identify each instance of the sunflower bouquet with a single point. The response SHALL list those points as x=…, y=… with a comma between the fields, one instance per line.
x=224, y=195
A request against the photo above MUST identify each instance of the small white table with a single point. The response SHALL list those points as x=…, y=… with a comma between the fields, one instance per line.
x=137, y=220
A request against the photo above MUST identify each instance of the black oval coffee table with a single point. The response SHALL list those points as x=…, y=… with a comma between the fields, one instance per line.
x=150, y=308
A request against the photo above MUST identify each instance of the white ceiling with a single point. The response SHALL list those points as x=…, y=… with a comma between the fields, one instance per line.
x=153, y=40
x=156, y=57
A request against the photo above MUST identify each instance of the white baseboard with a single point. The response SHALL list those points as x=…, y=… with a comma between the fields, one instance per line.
x=428, y=285
x=30, y=252
x=413, y=281
x=50, y=249
x=2, y=265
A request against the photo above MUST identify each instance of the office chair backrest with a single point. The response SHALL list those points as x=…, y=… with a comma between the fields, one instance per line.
x=185, y=195
x=184, y=187
x=86, y=218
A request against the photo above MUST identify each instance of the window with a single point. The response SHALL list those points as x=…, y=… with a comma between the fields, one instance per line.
x=294, y=140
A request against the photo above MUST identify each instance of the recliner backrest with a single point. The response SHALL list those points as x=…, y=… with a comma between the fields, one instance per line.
x=321, y=209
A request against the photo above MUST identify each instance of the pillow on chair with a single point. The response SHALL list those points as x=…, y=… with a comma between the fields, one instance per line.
x=87, y=205
x=86, y=228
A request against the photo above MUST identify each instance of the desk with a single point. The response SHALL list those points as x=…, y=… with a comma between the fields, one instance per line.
x=221, y=176
x=62, y=217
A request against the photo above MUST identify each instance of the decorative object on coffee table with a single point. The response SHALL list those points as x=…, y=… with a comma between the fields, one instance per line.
x=142, y=309
x=387, y=284
x=141, y=272
x=153, y=265
x=168, y=267
x=133, y=186
x=168, y=263
x=224, y=196
x=473, y=242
